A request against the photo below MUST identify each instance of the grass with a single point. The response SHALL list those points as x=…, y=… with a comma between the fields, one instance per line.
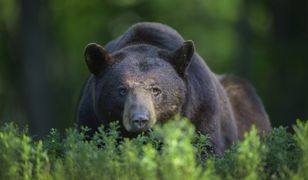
x=171, y=151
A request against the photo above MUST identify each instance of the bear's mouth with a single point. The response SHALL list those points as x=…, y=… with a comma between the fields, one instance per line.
x=132, y=134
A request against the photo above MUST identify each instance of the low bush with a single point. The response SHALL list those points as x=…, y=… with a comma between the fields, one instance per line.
x=171, y=151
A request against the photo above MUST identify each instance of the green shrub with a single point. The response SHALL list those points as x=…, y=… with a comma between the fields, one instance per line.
x=301, y=138
x=171, y=151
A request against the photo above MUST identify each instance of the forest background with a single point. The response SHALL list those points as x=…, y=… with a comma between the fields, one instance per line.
x=42, y=69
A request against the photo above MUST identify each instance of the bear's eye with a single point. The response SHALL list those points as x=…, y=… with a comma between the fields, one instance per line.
x=122, y=91
x=155, y=91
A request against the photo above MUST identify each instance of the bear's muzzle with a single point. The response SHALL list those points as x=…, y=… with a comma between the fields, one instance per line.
x=139, y=114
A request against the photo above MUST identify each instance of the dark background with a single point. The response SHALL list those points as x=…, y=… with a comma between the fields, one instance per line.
x=42, y=69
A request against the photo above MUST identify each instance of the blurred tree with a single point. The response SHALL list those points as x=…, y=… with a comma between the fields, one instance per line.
x=10, y=104
x=288, y=57
x=33, y=49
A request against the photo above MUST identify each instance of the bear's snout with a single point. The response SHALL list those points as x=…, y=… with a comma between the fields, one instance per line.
x=139, y=113
x=140, y=120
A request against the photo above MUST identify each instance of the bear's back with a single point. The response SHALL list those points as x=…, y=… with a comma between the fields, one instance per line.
x=155, y=34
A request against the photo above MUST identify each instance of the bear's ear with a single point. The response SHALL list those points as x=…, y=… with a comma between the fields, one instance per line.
x=181, y=57
x=97, y=58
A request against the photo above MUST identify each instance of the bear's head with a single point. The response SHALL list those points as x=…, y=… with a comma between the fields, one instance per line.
x=138, y=85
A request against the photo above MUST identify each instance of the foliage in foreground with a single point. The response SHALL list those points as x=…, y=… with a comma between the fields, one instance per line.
x=173, y=151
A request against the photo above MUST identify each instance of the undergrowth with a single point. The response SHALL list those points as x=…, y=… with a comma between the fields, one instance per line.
x=173, y=151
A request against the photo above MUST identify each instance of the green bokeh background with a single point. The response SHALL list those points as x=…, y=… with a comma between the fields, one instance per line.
x=42, y=69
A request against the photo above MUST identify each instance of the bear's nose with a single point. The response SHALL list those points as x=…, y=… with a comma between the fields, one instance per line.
x=140, y=120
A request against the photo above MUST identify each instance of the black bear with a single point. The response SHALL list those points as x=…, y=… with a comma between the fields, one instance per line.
x=149, y=74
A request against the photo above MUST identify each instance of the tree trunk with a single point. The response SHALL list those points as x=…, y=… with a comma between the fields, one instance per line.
x=33, y=48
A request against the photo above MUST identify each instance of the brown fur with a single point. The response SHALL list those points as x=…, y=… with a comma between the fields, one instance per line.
x=246, y=105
